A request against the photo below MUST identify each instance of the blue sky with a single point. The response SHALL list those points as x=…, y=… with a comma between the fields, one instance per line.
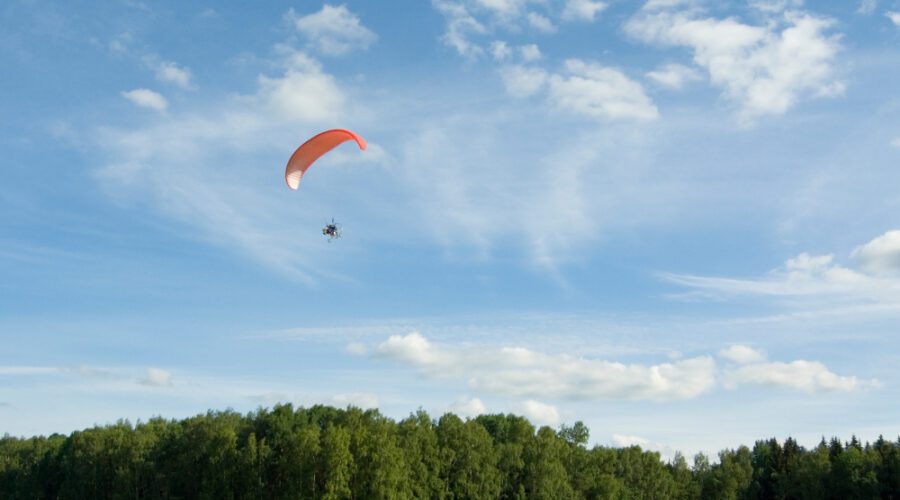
x=673, y=220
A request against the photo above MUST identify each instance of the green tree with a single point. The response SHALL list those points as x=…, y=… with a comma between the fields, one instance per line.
x=337, y=463
x=545, y=472
x=469, y=459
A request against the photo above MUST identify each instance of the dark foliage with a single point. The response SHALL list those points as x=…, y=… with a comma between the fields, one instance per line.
x=328, y=453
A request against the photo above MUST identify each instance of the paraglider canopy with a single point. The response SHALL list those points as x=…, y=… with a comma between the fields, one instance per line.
x=311, y=150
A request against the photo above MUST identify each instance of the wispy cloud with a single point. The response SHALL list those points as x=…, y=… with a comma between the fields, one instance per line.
x=818, y=277
x=867, y=6
x=197, y=164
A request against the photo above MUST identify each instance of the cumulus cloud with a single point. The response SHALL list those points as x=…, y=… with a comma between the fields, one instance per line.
x=808, y=376
x=540, y=23
x=461, y=25
x=303, y=93
x=333, y=31
x=765, y=69
x=674, y=76
x=530, y=52
x=147, y=98
x=157, y=377
x=894, y=17
x=539, y=413
x=468, y=407
x=523, y=81
x=582, y=10
x=742, y=354
x=600, y=92
x=881, y=255
x=500, y=50
x=520, y=372
x=169, y=72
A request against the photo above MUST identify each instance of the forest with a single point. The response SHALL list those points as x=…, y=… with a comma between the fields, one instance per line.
x=329, y=453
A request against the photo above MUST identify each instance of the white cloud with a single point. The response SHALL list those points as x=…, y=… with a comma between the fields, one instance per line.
x=147, y=98
x=503, y=7
x=540, y=23
x=525, y=373
x=460, y=26
x=774, y=6
x=881, y=256
x=334, y=31
x=468, y=408
x=867, y=6
x=520, y=372
x=808, y=376
x=539, y=413
x=523, y=81
x=582, y=10
x=500, y=50
x=303, y=93
x=894, y=17
x=358, y=399
x=802, y=275
x=169, y=72
x=121, y=378
x=530, y=52
x=600, y=92
x=624, y=441
x=157, y=377
x=764, y=69
x=896, y=142
x=742, y=354
x=819, y=278
x=195, y=166
x=674, y=76
x=28, y=370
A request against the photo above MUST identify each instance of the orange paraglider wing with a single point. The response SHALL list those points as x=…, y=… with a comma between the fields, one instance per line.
x=311, y=150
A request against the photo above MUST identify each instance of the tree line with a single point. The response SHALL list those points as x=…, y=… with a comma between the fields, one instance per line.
x=328, y=453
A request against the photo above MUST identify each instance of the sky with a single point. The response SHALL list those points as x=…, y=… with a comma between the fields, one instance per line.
x=673, y=220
